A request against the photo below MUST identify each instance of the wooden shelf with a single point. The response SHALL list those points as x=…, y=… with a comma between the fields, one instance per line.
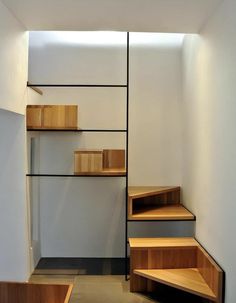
x=187, y=279
x=107, y=172
x=162, y=242
x=76, y=130
x=163, y=212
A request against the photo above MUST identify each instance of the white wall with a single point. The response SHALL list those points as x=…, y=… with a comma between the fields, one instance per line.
x=84, y=217
x=210, y=139
x=14, y=252
x=155, y=109
x=13, y=62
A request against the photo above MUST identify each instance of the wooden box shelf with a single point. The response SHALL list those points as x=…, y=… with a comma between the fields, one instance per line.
x=114, y=159
x=87, y=161
x=156, y=203
x=52, y=117
x=107, y=162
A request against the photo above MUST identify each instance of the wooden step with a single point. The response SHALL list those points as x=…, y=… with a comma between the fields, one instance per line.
x=162, y=242
x=156, y=203
x=187, y=279
x=165, y=212
x=178, y=262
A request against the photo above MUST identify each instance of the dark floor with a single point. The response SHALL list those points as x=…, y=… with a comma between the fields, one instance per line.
x=86, y=266
x=98, y=280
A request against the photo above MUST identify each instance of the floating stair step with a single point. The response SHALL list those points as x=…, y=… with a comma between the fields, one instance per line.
x=162, y=242
x=178, y=262
x=156, y=203
x=187, y=279
x=161, y=213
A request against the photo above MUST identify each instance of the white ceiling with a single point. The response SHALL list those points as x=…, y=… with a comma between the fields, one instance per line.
x=125, y=15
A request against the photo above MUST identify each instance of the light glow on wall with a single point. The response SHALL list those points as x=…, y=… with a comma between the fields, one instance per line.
x=96, y=38
x=156, y=39
x=103, y=38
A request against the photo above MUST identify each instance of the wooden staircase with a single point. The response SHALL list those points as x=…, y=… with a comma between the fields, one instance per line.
x=181, y=263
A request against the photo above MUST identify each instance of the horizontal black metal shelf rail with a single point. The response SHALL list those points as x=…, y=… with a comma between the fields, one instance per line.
x=75, y=85
x=90, y=176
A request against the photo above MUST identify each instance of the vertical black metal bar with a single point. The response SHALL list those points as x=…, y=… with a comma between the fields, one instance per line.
x=127, y=162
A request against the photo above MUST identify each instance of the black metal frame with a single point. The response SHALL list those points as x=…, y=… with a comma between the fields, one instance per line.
x=32, y=85
x=75, y=85
x=127, y=162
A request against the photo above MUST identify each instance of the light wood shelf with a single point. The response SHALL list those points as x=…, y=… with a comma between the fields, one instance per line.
x=105, y=172
x=187, y=279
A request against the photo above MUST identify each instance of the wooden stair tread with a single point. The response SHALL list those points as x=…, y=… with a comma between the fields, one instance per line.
x=187, y=279
x=162, y=242
x=145, y=191
x=163, y=212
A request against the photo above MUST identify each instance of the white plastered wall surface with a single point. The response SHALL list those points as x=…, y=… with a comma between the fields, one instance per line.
x=14, y=252
x=209, y=150
x=13, y=62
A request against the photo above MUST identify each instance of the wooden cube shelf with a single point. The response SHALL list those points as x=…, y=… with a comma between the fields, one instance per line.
x=113, y=158
x=88, y=161
x=92, y=163
x=52, y=116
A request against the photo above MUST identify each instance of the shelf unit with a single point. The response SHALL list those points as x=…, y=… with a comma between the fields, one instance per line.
x=161, y=212
x=106, y=173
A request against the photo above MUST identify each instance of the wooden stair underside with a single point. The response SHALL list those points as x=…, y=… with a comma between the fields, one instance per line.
x=187, y=279
x=145, y=191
